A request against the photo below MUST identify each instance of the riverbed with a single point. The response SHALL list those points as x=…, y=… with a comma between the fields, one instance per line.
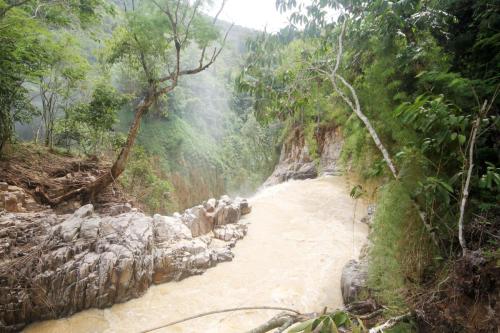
x=301, y=233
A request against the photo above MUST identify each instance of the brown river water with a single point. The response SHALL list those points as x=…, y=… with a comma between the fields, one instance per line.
x=300, y=235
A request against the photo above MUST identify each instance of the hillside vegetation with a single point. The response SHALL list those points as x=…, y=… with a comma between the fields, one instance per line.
x=176, y=107
x=413, y=85
x=67, y=86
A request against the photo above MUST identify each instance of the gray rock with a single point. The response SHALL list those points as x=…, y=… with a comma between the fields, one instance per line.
x=85, y=260
x=89, y=228
x=210, y=205
x=198, y=221
x=227, y=213
x=84, y=211
x=296, y=162
x=119, y=209
x=353, y=282
x=230, y=232
x=244, y=205
x=170, y=228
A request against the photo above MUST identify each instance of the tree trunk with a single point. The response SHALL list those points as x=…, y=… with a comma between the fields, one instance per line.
x=90, y=191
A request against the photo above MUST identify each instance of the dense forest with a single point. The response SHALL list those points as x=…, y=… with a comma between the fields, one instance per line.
x=71, y=85
x=182, y=107
x=413, y=86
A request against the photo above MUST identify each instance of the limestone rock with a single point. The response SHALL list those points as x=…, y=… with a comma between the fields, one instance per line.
x=244, y=206
x=353, y=282
x=119, y=209
x=15, y=199
x=230, y=232
x=87, y=260
x=227, y=213
x=170, y=228
x=210, y=205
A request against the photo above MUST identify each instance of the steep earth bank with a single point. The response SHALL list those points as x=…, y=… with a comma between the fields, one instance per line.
x=296, y=161
x=55, y=265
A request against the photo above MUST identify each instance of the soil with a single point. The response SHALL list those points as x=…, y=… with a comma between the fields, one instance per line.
x=33, y=167
x=465, y=297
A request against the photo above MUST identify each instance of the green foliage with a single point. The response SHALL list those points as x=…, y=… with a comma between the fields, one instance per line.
x=28, y=49
x=401, y=246
x=145, y=181
x=90, y=125
x=329, y=323
x=144, y=46
x=23, y=56
x=421, y=73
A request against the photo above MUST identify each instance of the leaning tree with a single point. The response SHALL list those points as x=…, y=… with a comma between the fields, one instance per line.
x=152, y=44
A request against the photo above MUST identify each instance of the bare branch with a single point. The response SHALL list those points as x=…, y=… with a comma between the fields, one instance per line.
x=220, y=11
x=390, y=323
x=353, y=102
x=201, y=67
x=188, y=25
x=281, y=321
x=465, y=192
x=209, y=313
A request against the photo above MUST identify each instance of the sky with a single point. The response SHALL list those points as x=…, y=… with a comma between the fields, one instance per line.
x=256, y=14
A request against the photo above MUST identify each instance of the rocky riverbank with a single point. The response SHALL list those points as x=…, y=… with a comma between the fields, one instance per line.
x=55, y=265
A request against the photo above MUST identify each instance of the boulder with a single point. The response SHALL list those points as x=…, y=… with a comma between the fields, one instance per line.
x=244, y=206
x=170, y=228
x=230, y=232
x=227, y=212
x=210, y=205
x=89, y=228
x=198, y=221
x=120, y=209
x=69, y=229
x=353, y=282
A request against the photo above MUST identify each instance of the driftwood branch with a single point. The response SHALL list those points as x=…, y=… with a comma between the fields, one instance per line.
x=209, y=313
x=282, y=321
x=390, y=323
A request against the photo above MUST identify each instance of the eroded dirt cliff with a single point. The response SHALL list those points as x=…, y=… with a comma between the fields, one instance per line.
x=296, y=161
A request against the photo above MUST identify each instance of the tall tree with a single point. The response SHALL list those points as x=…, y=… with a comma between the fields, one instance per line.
x=151, y=44
x=65, y=69
x=25, y=49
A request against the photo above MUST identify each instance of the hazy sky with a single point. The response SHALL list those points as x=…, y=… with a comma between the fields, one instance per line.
x=255, y=14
